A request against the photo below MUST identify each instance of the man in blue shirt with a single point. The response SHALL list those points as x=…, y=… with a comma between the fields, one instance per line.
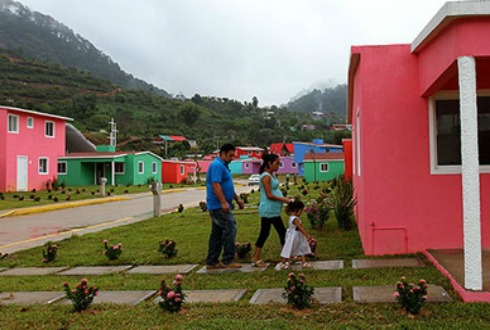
x=220, y=193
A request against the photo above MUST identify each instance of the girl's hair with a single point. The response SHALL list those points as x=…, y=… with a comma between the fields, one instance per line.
x=267, y=159
x=295, y=206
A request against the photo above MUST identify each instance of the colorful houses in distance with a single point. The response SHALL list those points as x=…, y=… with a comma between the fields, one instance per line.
x=37, y=148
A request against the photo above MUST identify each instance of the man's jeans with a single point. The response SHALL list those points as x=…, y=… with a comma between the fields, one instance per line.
x=223, y=233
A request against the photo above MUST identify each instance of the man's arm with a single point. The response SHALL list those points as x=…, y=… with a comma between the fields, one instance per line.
x=218, y=192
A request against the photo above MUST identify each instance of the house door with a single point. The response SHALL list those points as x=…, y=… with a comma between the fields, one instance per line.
x=22, y=182
x=99, y=172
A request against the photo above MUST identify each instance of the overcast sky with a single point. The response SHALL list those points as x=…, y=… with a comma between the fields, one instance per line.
x=272, y=49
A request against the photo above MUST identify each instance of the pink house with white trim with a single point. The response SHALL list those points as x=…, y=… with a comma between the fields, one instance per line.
x=420, y=116
x=30, y=144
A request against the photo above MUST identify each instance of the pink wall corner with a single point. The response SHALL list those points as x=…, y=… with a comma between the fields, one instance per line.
x=395, y=190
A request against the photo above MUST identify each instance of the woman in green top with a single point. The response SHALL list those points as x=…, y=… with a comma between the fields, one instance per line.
x=270, y=207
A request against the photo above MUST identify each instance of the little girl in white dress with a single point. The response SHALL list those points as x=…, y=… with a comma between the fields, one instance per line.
x=297, y=239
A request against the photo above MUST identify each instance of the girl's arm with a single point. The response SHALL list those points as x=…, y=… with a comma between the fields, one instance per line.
x=266, y=182
x=298, y=225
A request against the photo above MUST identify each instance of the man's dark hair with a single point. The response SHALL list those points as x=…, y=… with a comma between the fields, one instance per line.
x=226, y=147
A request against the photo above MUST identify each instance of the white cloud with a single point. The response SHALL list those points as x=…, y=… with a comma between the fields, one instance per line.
x=271, y=49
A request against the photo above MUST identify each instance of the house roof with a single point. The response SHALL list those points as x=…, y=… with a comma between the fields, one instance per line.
x=250, y=148
x=3, y=107
x=185, y=162
x=276, y=148
x=172, y=138
x=449, y=12
x=326, y=145
x=108, y=155
x=324, y=156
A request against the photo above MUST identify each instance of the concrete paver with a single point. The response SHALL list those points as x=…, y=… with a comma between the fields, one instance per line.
x=326, y=295
x=28, y=298
x=246, y=268
x=382, y=263
x=31, y=271
x=384, y=293
x=127, y=297
x=166, y=269
x=99, y=270
x=211, y=296
x=316, y=265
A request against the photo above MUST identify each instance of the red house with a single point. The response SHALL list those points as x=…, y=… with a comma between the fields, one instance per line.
x=241, y=152
x=420, y=116
x=282, y=149
x=176, y=171
x=30, y=144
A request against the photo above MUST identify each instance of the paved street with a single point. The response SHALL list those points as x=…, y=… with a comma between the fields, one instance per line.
x=22, y=232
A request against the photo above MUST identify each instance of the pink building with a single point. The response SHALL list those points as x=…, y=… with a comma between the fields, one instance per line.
x=420, y=116
x=30, y=143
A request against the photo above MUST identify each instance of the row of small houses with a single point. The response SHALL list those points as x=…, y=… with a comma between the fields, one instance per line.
x=37, y=148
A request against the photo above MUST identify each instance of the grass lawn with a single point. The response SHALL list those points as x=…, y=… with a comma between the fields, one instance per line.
x=190, y=230
x=14, y=200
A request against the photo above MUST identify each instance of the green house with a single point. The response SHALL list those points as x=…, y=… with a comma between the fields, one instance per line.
x=323, y=166
x=118, y=167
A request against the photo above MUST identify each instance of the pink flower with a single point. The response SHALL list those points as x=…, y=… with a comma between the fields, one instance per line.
x=84, y=281
x=74, y=291
x=65, y=284
x=424, y=297
x=290, y=274
x=179, y=277
x=104, y=241
x=396, y=294
x=422, y=282
x=177, y=299
x=170, y=295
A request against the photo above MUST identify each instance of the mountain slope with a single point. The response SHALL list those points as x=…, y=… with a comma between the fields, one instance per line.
x=43, y=38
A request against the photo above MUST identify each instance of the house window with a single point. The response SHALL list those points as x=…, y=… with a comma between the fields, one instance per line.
x=61, y=167
x=43, y=166
x=30, y=122
x=446, y=133
x=118, y=168
x=281, y=164
x=182, y=169
x=154, y=168
x=247, y=165
x=141, y=167
x=324, y=167
x=13, y=125
x=294, y=165
x=49, y=128
x=250, y=153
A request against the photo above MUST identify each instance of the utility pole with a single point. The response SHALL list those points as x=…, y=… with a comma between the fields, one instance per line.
x=112, y=136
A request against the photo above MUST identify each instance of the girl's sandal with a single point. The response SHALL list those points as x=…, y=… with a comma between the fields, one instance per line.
x=258, y=263
x=285, y=265
x=307, y=265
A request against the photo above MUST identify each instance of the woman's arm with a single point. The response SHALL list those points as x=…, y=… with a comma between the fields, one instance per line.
x=266, y=182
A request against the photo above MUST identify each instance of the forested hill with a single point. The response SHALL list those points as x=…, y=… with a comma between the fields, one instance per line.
x=140, y=115
x=43, y=38
x=329, y=100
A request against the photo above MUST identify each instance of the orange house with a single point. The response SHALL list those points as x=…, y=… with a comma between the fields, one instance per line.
x=176, y=171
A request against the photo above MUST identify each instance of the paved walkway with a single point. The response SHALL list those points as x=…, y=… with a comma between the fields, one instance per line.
x=323, y=295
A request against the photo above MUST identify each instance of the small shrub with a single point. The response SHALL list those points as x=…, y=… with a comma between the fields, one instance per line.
x=203, y=206
x=172, y=298
x=21, y=198
x=55, y=199
x=297, y=292
x=242, y=249
x=37, y=199
x=112, y=252
x=342, y=201
x=50, y=253
x=81, y=296
x=180, y=209
x=167, y=248
x=410, y=296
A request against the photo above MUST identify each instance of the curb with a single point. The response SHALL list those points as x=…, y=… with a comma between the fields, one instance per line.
x=47, y=208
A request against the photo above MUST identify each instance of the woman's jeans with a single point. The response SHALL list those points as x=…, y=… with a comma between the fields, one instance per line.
x=223, y=233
